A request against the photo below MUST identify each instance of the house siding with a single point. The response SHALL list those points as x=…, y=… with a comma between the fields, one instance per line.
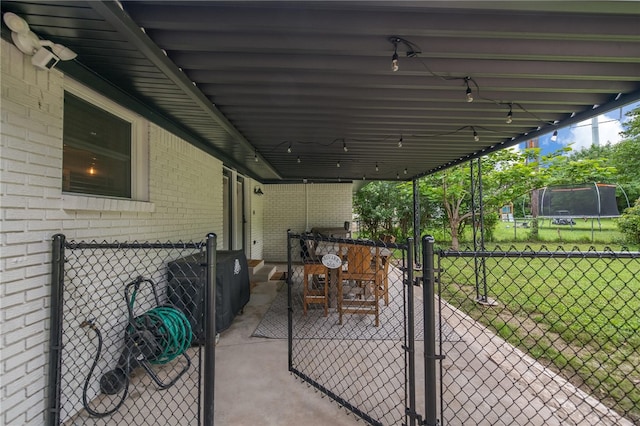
x=185, y=203
x=300, y=207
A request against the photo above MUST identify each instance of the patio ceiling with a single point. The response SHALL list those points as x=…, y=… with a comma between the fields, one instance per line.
x=241, y=79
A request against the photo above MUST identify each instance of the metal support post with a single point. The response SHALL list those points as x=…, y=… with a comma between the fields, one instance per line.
x=428, y=300
x=410, y=343
x=55, y=332
x=477, y=210
x=289, y=306
x=416, y=221
x=210, y=331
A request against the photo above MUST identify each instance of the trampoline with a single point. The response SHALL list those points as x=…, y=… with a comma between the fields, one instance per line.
x=563, y=203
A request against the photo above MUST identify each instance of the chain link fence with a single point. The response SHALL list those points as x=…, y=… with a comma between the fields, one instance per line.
x=548, y=337
x=128, y=329
x=349, y=329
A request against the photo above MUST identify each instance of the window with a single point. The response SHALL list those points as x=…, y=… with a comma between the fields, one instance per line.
x=97, y=150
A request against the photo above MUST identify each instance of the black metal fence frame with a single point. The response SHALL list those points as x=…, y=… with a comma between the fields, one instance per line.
x=412, y=417
x=431, y=273
x=59, y=244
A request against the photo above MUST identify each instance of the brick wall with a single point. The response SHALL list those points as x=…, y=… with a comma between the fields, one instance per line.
x=185, y=202
x=300, y=207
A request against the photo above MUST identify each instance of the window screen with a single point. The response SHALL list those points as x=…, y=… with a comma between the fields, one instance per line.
x=97, y=150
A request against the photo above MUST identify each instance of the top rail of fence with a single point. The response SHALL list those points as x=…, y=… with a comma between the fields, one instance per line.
x=542, y=253
x=72, y=245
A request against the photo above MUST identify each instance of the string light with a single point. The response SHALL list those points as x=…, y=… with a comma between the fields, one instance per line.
x=289, y=149
x=400, y=142
x=255, y=156
x=344, y=146
x=299, y=160
x=364, y=177
x=405, y=171
x=554, y=136
x=475, y=135
x=338, y=164
x=510, y=114
x=397, y=175
x=468, y=92
x=394, y=58
x=377, y=169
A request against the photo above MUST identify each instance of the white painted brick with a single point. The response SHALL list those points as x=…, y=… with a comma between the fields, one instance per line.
x=11, y=300
x=19, y=311
x=11, y=350
x=21, y=333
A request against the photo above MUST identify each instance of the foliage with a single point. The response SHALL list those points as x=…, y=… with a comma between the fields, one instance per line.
x=375, y=204
x=508, y=176
x=629, y=223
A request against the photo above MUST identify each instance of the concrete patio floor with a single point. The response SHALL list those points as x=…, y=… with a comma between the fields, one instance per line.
x=253, y=385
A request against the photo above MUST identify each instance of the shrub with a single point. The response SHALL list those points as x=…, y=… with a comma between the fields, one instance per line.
x=629, y=223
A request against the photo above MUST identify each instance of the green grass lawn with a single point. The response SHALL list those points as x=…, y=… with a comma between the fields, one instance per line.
x=584, y=231
x=579, y=316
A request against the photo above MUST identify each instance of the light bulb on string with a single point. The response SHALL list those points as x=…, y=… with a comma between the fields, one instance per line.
x=510, y=115
x=468, y=92
x=289, y=149
x=338, y=164
x=344, y=146
x=400, y=142
x=377, y=169
x=475, y=135
x=554, y=136
x=405, y=171
x=299, y=160
x=394, y=58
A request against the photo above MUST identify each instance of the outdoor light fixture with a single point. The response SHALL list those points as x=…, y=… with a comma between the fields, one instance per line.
x=258, y=191
x=344, y=146
x=468, y=92
x=289, y=149
x=400, y=142
x=28, y=43
x=394, y=58
x=412, y=50
x=475, y=135
x=510, y=114
x=377, y=169
x=364, y=177
x=554, y=136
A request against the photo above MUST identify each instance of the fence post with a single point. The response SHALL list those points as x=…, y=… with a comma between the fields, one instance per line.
x=416, y=221
x=411, y=336
x=210, y=331
x=428, y=283
x=55, y=331
x=289, y=306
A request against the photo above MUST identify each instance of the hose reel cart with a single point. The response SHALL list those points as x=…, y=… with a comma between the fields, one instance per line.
x=156, y=337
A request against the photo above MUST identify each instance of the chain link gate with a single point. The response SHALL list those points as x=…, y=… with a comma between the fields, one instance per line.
x=558, y=345
x=132, y=333
x=350, y=331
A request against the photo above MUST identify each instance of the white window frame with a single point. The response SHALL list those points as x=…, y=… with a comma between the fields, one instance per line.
x=139, y=157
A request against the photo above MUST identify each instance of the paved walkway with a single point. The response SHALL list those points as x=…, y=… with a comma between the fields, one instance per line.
x=253, y=385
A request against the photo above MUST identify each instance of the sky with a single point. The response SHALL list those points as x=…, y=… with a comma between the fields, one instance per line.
x=580, y=135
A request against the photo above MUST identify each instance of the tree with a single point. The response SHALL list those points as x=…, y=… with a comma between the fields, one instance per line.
x=375, y=204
